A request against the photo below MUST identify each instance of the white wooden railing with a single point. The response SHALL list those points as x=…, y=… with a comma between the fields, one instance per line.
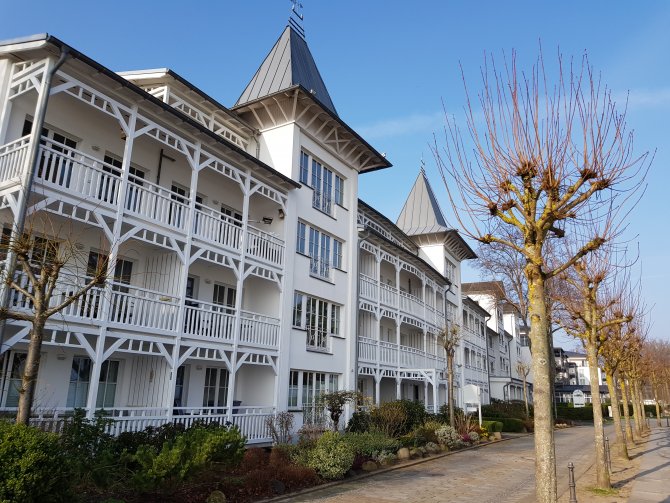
x=412, y=357
x=367, y=349
x=249, y=419
x=213, y=226
x=13, y=157
x=411, y=304
x=259, y=330
x=156, y=203
x=139, y=307
x=388, y=295
x=78, y=174
x=368, y=288
x=209, y=320
x=388, y=353
x=265, y=246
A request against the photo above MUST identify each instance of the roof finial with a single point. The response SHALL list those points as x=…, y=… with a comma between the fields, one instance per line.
x=423, y=165
x=296, y=18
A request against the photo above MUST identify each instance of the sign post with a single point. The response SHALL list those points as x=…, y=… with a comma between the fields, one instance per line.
x=472, y=399
x=578, y=399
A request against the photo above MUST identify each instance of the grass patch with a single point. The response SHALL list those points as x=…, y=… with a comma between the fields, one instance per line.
x=603, y=492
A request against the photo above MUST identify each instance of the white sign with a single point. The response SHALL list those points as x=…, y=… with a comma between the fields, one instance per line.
x=472, y=399
x=578, y=399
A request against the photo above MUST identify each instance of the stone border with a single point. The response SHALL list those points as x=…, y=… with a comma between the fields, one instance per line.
x=287, y=497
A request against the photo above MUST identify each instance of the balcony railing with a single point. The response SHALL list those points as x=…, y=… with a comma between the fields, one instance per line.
x=259, y=330
x=141, y=308
x=215, y=227
x=156, y=203
x=265, y=246
x=13, y=159
x=249, y=419
x=389, y=352
x=212, y=321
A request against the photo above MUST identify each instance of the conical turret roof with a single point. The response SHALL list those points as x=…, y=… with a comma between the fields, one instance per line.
x=288, y=64
x=421, y=213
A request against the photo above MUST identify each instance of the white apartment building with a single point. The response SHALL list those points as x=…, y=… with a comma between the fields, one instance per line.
x=234, y=239
x=506, y=344
x=473, y=347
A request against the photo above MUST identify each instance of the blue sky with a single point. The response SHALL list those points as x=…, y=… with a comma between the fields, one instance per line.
x=389, y=65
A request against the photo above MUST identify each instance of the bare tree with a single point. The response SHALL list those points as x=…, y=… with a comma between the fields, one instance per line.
x=541, y=151
x=450, y=337
x=657, y=360
x=39, y=290
x=523, y=369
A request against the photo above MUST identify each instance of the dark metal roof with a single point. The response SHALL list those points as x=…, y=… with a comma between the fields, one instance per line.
x=152, y=99
x=289, y=63
x=421, y=213
x=473, y=304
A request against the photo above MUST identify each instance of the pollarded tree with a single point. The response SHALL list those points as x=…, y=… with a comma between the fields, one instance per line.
x=542, y=150
x=50, y=275
x=450, y=338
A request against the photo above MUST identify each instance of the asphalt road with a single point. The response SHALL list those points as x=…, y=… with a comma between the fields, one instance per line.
x=496, y=473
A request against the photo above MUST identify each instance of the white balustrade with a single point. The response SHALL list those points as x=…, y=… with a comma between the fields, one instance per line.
x=411, y=304
x=388, y=295
x=388, y=353
x=77, y=173
x=251, y=421
x=138, y=307
x=259, y=330
x=368, y=288
x=412, y=357
x=156, y=203
x=209, y=320
x=367, y=349
x=265, y=246
x=13, y=159
x=213, y=226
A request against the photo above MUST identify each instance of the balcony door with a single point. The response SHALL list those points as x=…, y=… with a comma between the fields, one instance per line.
x=55, y=164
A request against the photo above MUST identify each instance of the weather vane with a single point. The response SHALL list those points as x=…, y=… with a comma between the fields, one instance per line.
x=296, y=19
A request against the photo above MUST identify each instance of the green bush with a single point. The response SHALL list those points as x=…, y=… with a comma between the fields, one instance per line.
x=416, y=413
x=360, y=422
x=512, y=425
x=390, y=418
x=370, y=443
x=34, y=468
x=500, y=409
x=332, y=457
x=492, y=426
x=188, y=453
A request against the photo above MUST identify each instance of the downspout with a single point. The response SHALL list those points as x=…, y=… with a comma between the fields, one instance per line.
x=363, y=234
x=28, y=180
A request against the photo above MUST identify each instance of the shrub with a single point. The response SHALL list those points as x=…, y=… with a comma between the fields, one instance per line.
x=188, y=453
x=390, y=418
x=500, y=409
x=310, y=432
x=367, y=444
x=448, y=436
x=512, y=425
x=474, y=437
x=415, y=412
x=427, y=433
x=34, y=468
x=335, y=402
x=384, y=458
x=360, y=422
x=332, y=457
x=279, y=427
x=465, y=423
x=443, y=415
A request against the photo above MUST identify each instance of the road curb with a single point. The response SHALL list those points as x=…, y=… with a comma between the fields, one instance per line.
x=287, y=497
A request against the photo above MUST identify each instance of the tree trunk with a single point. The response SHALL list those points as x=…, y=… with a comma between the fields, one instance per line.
x=543, y=361
x=450, y=391
x=640, y=405
x=637, y=421
x=29, y=378
x=622, y=449
x=626, y=410
x=658, y=408
x=525, y=397
x=602, y=472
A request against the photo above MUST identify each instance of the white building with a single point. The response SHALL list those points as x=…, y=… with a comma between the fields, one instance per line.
x=506, y=344
x=233, y=239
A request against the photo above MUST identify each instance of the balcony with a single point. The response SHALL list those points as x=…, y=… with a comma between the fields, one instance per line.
x=389, y=353
x=390, y=296
x=140, y=309
x=75, y=174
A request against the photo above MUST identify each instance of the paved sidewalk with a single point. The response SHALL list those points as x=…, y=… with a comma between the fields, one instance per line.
x=652, y=483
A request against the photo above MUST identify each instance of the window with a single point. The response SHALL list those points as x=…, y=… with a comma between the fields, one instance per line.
x=80, y=378
x=216, y=387
x=304, y=168
x=300, y=245
x=223, y=295
x=450, y=270
x=339, y=190
x=232, y=216
x=17, y=365
x=55, y=164
x=328, y=187
x=305, y=387
x=179, y=395
x=318, y=317
x=324, y=250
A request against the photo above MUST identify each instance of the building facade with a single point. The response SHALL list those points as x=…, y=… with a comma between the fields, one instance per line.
x=245, y=276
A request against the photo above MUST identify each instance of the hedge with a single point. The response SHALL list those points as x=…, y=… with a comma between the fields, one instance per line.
x=509, y=424
x=493, y=425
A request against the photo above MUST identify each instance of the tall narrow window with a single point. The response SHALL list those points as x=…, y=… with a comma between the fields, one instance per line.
x=80, y=377
x=109, y=374
x=293, y=388
x=216, y=387
x=300, y=245
x=337, y=254
x=339, y=190
x=304, y=168
x=17, y=366
x=324, y=258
